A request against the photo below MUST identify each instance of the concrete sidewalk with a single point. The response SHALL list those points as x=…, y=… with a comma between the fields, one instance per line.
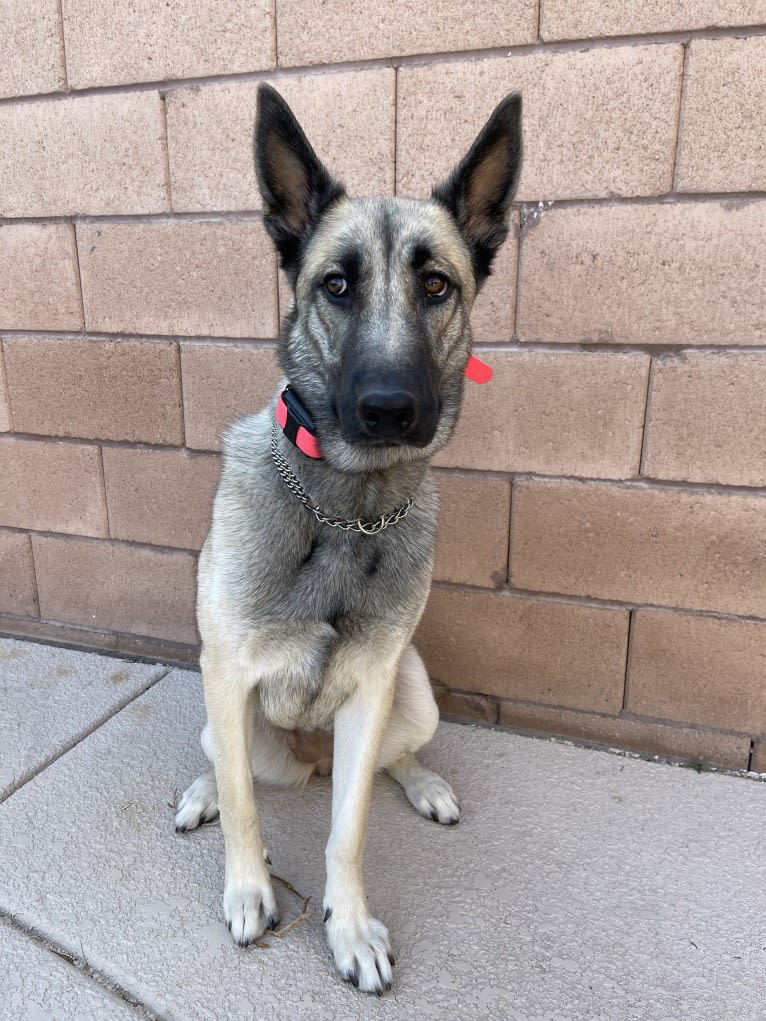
x=578, y=885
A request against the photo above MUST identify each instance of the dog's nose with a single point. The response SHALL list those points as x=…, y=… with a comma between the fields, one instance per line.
x=387, y=414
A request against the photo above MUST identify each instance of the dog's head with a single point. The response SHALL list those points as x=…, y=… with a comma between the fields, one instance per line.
x=377, y=337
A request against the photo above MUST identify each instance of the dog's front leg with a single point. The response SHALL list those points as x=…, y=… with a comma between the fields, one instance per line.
x=249, y=905
x=358, y=941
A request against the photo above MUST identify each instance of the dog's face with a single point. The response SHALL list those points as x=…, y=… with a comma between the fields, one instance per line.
x=378, y=334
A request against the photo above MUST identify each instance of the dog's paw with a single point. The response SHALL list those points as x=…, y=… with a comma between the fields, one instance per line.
x=362, y=950
x=425, y=790
x=323, y=767
x=250, y=908
x=434, y=798
x=198, y=804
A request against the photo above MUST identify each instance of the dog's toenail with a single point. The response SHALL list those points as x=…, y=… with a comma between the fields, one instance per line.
x=327, y=914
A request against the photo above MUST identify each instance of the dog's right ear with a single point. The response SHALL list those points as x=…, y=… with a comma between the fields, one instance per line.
x=296, y=188
x=480, y=189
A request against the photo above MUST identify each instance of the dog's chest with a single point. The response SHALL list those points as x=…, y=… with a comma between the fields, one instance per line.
x=345, y=574
x=345, y=589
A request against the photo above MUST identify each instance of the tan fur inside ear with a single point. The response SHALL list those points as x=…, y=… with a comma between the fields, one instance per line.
x=289, y=173
x=482, y=189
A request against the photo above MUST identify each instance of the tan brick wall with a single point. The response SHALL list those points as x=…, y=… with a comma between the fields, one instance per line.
x=601, y=560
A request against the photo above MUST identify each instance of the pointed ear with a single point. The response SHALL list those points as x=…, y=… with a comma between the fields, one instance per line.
x=296, y=188
x=480, y=189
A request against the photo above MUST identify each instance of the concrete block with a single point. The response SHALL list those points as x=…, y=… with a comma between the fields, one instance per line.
x=31, y=48
x=147, y=41
x=557, y=414
x=116, y=587
x=698, y=670
x=51, y=486
x=210, y=136
x=722, y=146
x=223, y=383
x=472, y=541
x=97, y=155
x=586, y=19
x=648, y=737
x=5, y=407
x=686, y=273
x=639, y=544
x=98, y=389
x=181, y=277
x=361, y=29
x=513, y=647
x=615, y=137
x=18, y=591
x=160, y=497
x=41, y=289
x=707, y=420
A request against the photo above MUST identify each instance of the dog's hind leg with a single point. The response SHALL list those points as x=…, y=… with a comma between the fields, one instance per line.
x=199, y=802
x=271, y=760
x=413, y=722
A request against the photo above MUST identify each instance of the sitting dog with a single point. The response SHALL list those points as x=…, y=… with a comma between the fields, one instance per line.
x=318, y=562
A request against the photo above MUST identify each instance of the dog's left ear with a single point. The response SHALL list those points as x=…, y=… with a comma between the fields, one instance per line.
x=480, y=189
x=295, y=186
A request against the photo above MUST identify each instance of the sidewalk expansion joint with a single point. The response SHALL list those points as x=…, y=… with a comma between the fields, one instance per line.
x=78, y=738
x=114, y=989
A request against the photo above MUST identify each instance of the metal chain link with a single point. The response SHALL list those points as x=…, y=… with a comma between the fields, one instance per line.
x=293, y=483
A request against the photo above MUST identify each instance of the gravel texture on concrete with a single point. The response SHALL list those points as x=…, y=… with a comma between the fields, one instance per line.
x=579, y=885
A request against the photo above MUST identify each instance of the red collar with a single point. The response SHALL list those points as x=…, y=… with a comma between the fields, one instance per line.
x=298, y=426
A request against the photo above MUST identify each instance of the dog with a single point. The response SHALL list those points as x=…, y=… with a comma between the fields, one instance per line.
x=318, y=562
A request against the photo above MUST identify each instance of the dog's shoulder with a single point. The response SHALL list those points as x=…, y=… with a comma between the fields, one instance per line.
x=245, y=442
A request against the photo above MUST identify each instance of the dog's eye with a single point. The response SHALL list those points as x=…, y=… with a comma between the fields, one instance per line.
x=336, y=286
x=435, y=285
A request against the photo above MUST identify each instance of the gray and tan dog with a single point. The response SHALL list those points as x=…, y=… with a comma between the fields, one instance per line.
x=318, y=562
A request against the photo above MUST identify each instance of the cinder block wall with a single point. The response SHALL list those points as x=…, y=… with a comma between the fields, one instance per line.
x=601, y=569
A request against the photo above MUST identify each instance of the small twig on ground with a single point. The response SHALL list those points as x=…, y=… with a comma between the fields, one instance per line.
x=303, y=914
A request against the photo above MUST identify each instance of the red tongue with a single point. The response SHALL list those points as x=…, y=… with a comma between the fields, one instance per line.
x=477, y=370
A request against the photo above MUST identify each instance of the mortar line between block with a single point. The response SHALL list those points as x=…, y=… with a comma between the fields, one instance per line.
x=103, y=490
x=626, y=678
x=114, y=989
x=438, y=57
x=34, y=571
x=82, y=735
x=593, y=602
x=396, y=125
x=647, y=421
x=679, y=116
x=181, y=400
x=222, y=216
x=275, y=29
x=166, y=141
x=491, y=347
x=62, y=36
x=78, y=271
x=7, y=389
